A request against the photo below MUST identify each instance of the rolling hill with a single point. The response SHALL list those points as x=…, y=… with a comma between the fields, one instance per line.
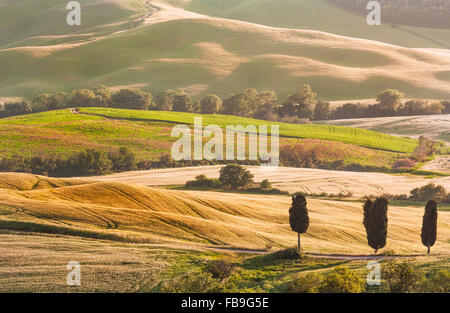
x=130, y=213
x=201, y=54
x=432, y=126
x=319, y=15
x=43, y=22
x=148, y=135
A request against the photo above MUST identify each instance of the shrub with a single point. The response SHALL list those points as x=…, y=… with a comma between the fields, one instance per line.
x=102, y=96
x=429, y=192
x=210, y=104
x=265, y=184
x=82, y=98
x=235, y=176
x=182, y=103
x=201, y=181
x=301, y=104
x=193, y=282
x=389, y=252
x=123, y=160
x=297, y=156
x=341, y=280
x=49, y=101
x=400, y=277
x=15, y=108
x=404, y=163
x=220, y=268
x=306, y=283
x=437, y=281
x=286, y=254
x=89, y=162
x=131, y=98
x=294, y=120
x=164, y=101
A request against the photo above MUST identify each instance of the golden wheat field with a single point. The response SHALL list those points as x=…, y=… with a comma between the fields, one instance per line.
x=197, y=219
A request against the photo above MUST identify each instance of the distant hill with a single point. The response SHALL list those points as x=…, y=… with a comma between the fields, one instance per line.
x=158, y=47
x=335, y=17
x=424, y=13
x=220, y=56
x=432, y=126
x=31, y=22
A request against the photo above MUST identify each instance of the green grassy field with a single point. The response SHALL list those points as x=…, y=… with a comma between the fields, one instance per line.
x=434, y=127
x=348, y=135
x=148, y=134
x=318, y=15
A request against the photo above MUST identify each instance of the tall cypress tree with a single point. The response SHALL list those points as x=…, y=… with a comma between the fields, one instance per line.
x=298, y=216
x=429, y=225
x=376, y=222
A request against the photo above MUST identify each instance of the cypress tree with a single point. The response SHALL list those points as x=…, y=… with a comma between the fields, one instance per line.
x=429, y=225
x=298, y=216
x=376, y=221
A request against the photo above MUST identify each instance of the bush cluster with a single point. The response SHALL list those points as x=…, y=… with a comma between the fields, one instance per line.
x=84, y=163
x=424, y=193
x=339, y=280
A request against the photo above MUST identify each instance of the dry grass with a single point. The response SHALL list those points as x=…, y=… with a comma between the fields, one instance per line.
x=37, y=263
x=212, y=56
x=430, y=126
x=131, y=213
x=291, y=179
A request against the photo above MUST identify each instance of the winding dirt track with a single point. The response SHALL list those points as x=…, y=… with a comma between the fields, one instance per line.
x=289, y=179
x=325, y=256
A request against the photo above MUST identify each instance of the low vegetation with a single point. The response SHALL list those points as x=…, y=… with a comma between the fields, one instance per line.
x=85, y=163
x=390, y=103
x=235, y=178
x=424, y=193
x=299, y=108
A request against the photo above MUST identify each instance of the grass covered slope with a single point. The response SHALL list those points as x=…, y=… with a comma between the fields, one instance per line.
x=431, y=126
x=39, y=22
x=130, y=213
x=148, y=134
x=223, y=56
x=348, y=135
x=318, y=15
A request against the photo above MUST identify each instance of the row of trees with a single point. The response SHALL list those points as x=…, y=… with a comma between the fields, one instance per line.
x=375, y=221
x=300, y=107
x=84, y=163
x=102, y=96
x=390, y=102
